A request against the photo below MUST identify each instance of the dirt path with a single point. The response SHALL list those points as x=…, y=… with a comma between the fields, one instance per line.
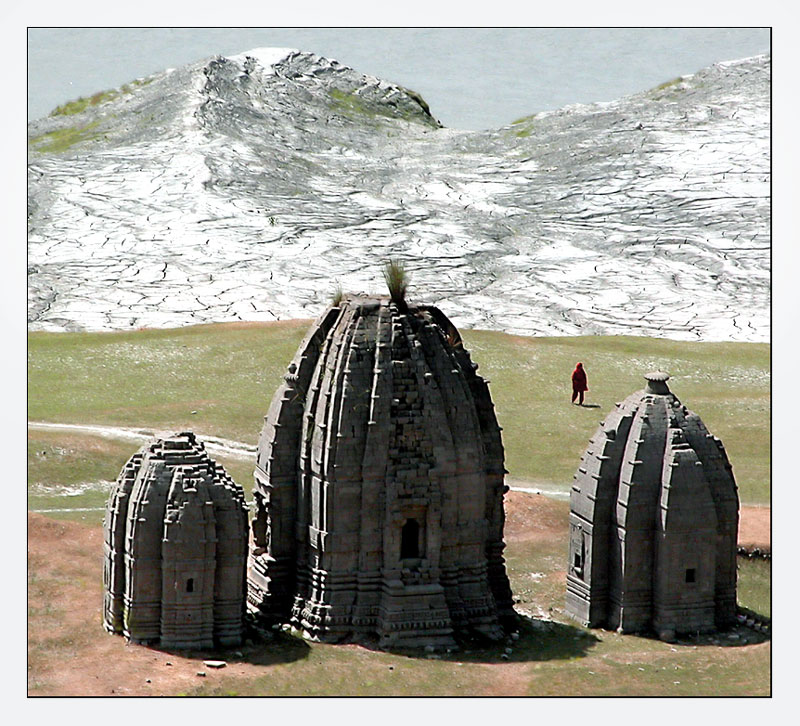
x=754, y=525
x=214, y=444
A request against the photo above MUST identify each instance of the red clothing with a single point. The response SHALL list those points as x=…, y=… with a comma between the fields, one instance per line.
x=579, y=379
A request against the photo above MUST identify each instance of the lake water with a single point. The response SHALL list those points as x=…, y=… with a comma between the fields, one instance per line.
x=472, y=78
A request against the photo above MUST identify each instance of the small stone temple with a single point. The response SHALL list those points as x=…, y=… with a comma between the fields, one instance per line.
x=654, y=516
x=176, y=541
x=379, y=484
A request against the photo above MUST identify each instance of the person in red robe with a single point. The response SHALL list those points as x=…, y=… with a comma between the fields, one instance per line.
x=579, y=384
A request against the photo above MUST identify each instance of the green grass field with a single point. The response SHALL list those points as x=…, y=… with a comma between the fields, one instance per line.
x=218, y=380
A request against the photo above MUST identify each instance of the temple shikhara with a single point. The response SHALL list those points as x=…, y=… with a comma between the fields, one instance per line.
x=176, y=536
x=378, y=507
x=379, y=484
x=654, y=515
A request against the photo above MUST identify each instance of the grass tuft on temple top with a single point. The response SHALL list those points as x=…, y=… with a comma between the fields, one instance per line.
x=397, y=278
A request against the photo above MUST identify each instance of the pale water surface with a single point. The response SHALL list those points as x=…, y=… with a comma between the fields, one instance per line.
x=473, y=78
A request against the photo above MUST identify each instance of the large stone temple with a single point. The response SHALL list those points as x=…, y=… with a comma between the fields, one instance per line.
x=654, y=515
x=379, y=484
x=176, y=540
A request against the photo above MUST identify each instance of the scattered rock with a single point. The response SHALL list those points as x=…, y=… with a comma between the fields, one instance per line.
x=214, y=663
x=202, y=674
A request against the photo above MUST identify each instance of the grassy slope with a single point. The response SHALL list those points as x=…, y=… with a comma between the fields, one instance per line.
x=727, y=384
x=219, y=380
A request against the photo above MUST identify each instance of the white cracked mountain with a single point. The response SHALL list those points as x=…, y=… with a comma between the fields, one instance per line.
x=249, y=187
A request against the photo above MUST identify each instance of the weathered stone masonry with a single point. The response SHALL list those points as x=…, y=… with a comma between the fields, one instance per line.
x=176, y=539
x=379, y=484
x=653, y=522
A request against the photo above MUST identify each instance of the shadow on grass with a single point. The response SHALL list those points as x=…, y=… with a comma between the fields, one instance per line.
x=527, y=640
x=259, y=649
x=531, y=640
x=735, y=637
x=589, y=405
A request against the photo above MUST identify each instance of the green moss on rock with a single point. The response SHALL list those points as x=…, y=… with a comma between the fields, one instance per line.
x=79, y=105
x=54, y=142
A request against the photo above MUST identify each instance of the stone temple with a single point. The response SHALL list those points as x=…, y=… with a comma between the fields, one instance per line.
x=176, y=538
x=379, y=485
x=654, y=515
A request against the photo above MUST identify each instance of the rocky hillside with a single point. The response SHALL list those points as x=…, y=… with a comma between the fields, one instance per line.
x=249, y=187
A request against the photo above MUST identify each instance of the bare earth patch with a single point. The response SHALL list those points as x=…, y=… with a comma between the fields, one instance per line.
x=70, y=654
x=534, y=517
x=755, y=527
